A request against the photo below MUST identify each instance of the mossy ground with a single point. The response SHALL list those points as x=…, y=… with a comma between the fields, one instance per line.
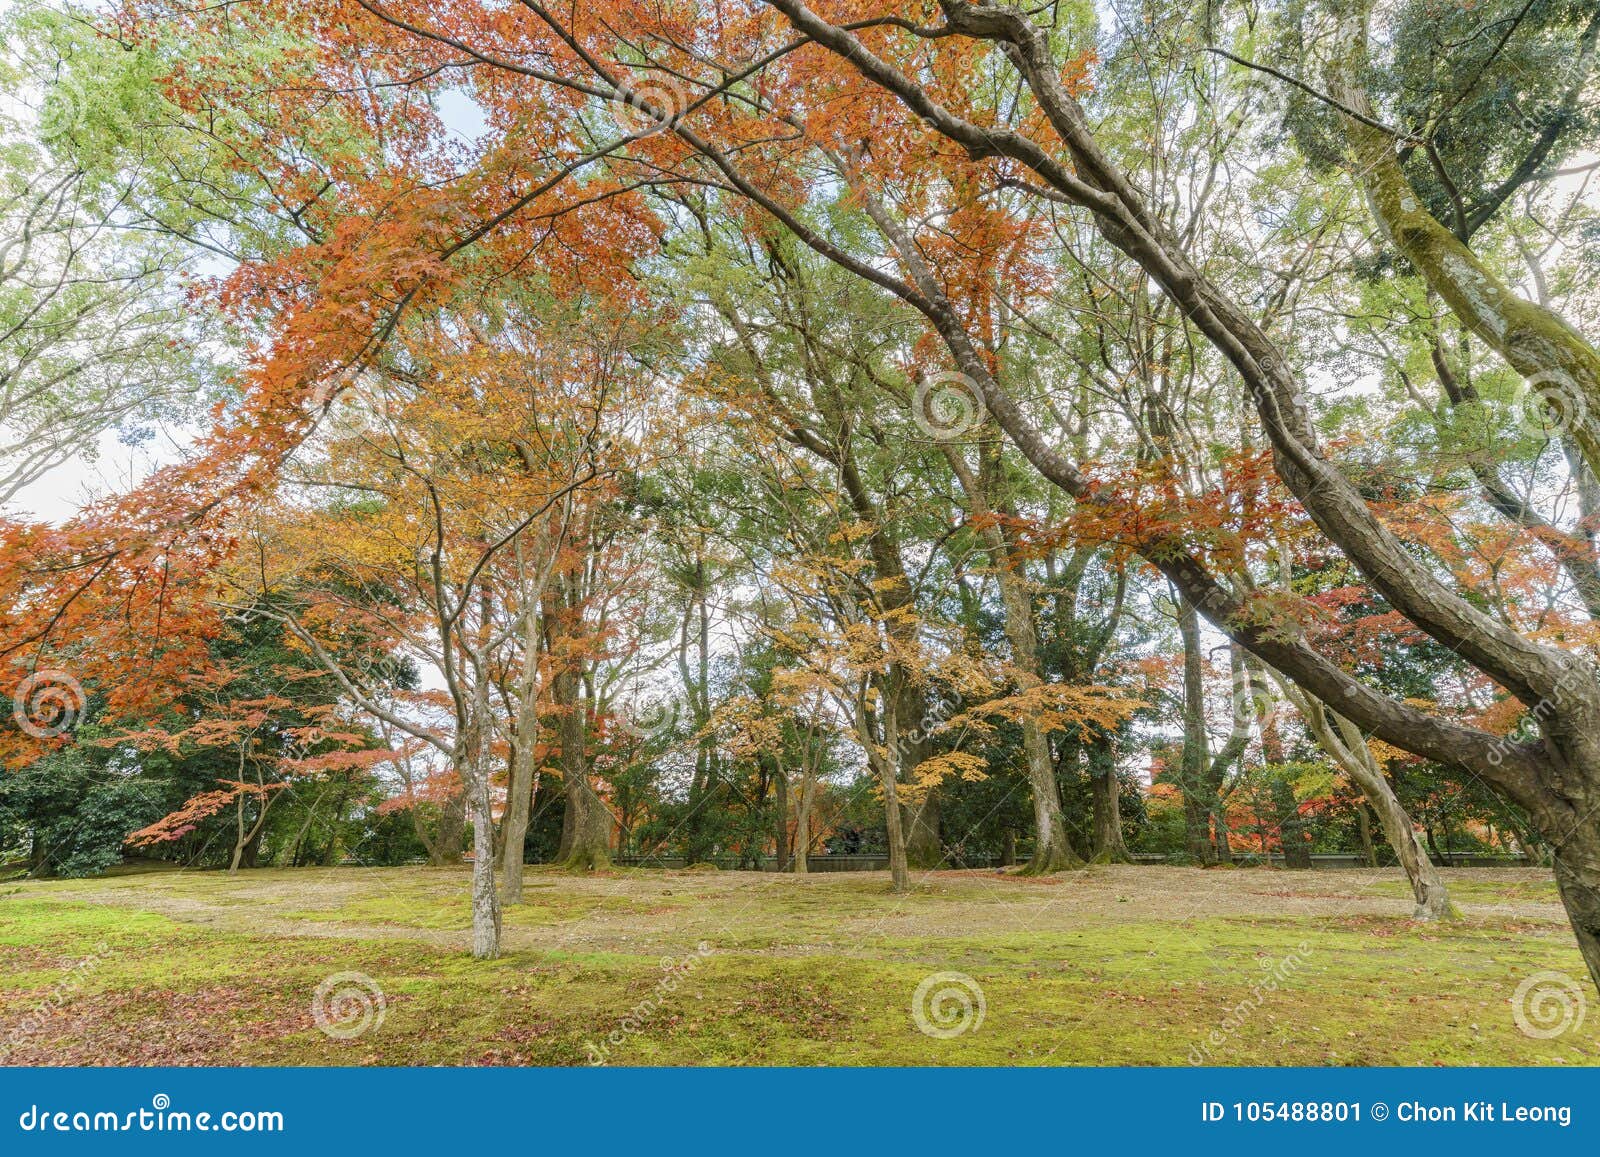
x=1111, y=965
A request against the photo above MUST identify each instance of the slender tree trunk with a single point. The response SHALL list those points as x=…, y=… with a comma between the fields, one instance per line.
x=1197, y=808
x=485, y=897
x=1364, y=824
x=519, y=788
x=887, y=765
x=899, y=876
x=475, y=759
x=1344, y=742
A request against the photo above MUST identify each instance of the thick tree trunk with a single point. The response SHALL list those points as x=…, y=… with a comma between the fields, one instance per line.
x=1051, y=851
x=920, y=823
x=1577, y=867
x=514, y=826
x=586, y=831
x=1105, y=796
x=802, y=823
x=445, y=849
x=781, y=852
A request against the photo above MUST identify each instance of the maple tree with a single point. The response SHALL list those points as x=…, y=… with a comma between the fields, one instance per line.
x=906, y=380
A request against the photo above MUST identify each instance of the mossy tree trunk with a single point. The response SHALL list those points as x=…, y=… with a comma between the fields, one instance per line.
x=1555, y=359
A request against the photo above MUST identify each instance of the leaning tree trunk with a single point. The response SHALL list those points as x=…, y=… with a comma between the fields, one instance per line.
x=1577, y=867
x=1343, y=741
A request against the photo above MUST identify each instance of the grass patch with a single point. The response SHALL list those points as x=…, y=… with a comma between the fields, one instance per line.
x=1113, y=966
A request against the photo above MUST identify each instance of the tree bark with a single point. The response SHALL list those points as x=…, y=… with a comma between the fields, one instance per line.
x=1345, y=744
x=520, y=783
x=1197, y=807
x=476, y=755
x=586, y=831
x=781, y=807
x=1105, y=796
x=899, y=875
x=1364, y=824
x=802, y=820
x=445, y=848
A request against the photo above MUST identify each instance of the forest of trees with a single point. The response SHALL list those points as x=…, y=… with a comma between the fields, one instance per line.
x=969, y=434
